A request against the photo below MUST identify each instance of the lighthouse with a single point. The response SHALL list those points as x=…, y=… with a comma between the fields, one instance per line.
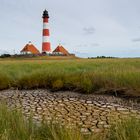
x=46, y=46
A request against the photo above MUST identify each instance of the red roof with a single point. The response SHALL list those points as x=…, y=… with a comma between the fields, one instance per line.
x=61, y=49
x=30, y=48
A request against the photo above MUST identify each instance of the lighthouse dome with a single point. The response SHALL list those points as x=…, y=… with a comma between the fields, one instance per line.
x=45, y=14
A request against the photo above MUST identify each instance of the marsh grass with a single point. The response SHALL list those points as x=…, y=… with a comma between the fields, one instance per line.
x=81, y=75
x=14, y=126
x=126, y=129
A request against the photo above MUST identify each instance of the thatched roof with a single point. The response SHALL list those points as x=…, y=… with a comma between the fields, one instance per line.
x=30, y=48
x=61, y=49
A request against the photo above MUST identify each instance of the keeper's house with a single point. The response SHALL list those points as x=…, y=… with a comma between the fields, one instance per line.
x=60, y=50
x=29, y=49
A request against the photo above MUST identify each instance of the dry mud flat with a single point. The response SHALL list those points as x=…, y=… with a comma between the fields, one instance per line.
x=93, y=113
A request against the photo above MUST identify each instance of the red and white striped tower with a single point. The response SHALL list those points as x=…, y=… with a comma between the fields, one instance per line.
x=46, y=46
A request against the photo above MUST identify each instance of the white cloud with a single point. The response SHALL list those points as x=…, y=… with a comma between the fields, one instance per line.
x=89, y=30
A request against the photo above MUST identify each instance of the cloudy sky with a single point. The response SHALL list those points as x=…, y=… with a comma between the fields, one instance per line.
x=85, y=27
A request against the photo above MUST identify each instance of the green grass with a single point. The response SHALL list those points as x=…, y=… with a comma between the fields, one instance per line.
x=13, y=126
x=127, y=129
x=83, y=75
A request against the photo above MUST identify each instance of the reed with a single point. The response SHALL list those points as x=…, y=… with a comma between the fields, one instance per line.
x=83, y=75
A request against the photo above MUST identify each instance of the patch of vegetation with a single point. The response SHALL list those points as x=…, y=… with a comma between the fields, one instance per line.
x=14, y=126
x=82, y=75
x=101, y=57
x=5, y=55
x=4, y=81
x=127, y=129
